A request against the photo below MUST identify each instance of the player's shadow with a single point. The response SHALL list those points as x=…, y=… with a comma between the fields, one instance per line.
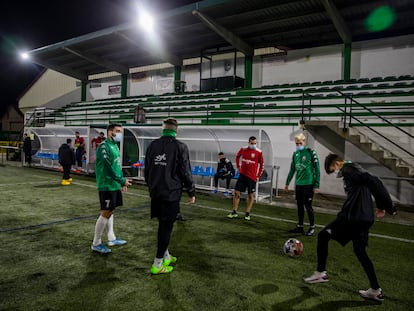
x=325, y=306
x=98, y=271
x=265, y=289
x=167, y=293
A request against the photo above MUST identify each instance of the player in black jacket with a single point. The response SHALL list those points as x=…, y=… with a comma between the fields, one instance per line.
x=354, y=220
x=27, y=149
x=225, y=170
x=167, y=170
x=66, y=159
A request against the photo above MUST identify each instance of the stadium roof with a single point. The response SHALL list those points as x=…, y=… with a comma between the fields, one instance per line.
x=245, y=25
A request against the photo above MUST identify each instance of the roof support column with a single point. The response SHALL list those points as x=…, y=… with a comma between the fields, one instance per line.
x=179, y=85
x=83, y=90
x=347, y=61
x=248, y=71
x=124, y=85
x=177, y=73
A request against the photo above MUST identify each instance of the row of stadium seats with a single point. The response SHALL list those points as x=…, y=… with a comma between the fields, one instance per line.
x=231, y=106
x=146, y=100
x=198, y=170
x=46, y=155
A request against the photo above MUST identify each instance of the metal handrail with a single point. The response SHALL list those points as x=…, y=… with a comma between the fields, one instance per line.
x=349, y=113
x=373, y=112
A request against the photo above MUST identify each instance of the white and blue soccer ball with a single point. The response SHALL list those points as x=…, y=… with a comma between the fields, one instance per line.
x=293, y=247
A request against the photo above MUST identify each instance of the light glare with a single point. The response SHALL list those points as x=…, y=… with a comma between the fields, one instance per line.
x=146, y=21
x=24, y=55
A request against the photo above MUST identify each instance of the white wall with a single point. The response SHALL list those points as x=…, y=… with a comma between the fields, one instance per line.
x=153, y=82
x=385, y=57
x=368, y=59
x=222, y=67
x=308, y=65
x=102, y=92
x=191, y=74
x=49, y=86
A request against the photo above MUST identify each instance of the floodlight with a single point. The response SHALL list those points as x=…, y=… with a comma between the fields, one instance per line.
x=24, y=55
x=146, y=21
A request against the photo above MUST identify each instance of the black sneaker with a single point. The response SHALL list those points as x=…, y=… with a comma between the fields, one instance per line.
x=297, y=230
x=310, y=231
x=179, y=217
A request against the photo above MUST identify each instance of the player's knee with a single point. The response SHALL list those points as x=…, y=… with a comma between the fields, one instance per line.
x=324, y=235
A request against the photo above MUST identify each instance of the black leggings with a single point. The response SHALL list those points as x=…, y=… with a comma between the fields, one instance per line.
x=359, y=249
x=165, y=227
x=66, y=171
x=227, y=177
x=304, y=197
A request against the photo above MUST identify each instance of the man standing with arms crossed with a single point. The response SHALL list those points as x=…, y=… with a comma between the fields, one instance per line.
x=167, y=170
x=110, y=181
x=250, y=168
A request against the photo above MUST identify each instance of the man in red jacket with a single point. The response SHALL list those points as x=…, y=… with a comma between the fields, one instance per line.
x=250, y=168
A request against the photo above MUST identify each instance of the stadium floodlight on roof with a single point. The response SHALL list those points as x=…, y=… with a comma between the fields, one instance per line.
x=24, y=55
x=145, y=20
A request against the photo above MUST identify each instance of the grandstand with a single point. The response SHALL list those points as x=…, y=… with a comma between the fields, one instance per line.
x=269, y=104
x=346, y=84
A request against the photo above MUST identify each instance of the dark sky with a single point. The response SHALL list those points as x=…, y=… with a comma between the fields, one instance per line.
x=32, y=24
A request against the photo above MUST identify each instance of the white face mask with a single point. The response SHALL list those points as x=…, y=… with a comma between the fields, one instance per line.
x=339, y=174
x=118, y=137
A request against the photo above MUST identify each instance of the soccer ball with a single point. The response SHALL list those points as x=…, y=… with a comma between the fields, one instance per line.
x=293, y=247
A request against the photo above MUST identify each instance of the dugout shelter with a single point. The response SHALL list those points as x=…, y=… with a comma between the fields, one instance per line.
x=204, y=144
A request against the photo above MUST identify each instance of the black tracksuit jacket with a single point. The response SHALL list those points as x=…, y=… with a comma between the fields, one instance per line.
x=167, y=169
x=66, y=155
x=359, y=185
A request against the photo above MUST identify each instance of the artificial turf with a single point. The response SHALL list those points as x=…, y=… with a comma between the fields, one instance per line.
x=223, y=264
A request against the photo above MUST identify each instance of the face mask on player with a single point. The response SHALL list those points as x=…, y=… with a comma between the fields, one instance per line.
x=118, y=137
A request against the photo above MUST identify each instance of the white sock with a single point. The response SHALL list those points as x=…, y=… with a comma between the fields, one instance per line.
x=167, y=255
x=110, y=227
x=158, y=262
x=99, y=228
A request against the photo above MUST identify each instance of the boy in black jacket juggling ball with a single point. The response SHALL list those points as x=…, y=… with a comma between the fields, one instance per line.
x=354, y=220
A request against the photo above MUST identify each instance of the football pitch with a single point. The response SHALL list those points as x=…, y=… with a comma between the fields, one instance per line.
x=223, y=264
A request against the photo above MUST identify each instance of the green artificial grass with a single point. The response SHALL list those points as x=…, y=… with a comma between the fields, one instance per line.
x=223, y=264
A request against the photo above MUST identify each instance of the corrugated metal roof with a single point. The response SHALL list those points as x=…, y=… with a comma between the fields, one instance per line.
x=247, y=24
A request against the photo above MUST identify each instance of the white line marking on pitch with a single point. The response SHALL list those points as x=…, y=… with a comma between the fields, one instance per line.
x=255, y=215
x=319, y=226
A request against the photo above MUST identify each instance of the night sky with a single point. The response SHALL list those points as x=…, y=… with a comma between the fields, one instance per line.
x=26, y=25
